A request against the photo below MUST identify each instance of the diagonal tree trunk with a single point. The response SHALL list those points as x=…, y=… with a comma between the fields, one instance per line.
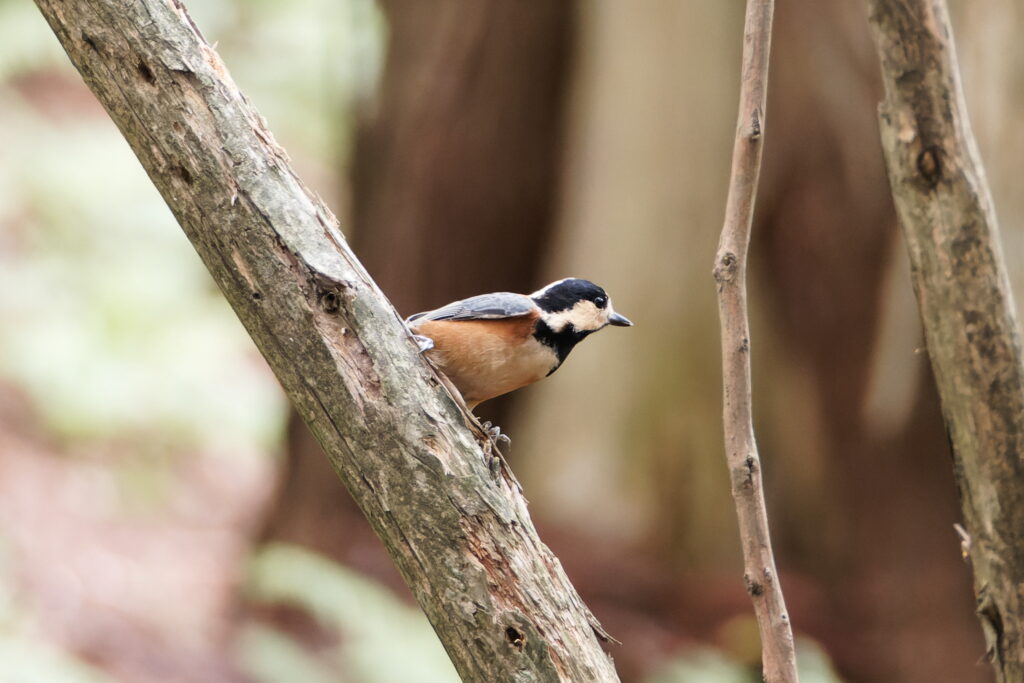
x=497, y=598
x=966, y=305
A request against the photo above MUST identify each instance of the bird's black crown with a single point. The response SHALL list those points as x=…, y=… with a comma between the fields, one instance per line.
x=565, y=294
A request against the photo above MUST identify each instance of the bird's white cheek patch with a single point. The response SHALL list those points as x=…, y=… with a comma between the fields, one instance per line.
x=584, y=316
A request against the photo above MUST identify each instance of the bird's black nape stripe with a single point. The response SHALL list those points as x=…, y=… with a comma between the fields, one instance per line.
x=562, y=342
x=568, y=293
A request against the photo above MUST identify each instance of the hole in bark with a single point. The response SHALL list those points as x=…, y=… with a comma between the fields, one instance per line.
x=88, y=40
x=257, y=296
x=515, y=637
x=929, y=165
x=182, y=173
x=329, y=302
x=146, y=73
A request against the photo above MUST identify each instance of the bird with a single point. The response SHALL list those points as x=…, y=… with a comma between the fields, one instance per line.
x=492, y=344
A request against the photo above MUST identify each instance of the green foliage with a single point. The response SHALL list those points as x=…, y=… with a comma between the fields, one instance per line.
x=702, y=665
x=705, y=665
x=28, y=660
x=269, y=656
x=382, y=639
x=111, y=324
x=25, y=42
x=117, y=327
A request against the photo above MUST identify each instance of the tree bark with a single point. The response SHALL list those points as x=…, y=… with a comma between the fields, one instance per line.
x=778, y=654
x=964, y=297
x=463, y=540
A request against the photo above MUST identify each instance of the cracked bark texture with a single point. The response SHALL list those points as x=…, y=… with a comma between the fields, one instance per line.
x=462, y=539
x=965, y=302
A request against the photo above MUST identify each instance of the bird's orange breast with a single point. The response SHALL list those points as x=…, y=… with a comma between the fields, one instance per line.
x=487, y=358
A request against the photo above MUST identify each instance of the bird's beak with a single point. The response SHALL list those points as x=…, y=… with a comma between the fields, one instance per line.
x=619, y=320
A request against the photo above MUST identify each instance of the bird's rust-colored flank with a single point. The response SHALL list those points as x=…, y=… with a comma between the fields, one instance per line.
x=488, y=358
x=491, y=344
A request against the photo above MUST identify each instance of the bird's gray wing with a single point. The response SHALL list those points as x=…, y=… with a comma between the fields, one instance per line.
x=483, y=307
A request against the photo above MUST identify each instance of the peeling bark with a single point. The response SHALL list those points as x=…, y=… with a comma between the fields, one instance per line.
x=965, y=302
x=462, y=539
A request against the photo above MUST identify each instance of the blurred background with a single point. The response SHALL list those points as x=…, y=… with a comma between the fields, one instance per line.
x=163, y=515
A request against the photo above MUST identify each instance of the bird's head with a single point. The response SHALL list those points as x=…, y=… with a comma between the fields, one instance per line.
x=577, y=307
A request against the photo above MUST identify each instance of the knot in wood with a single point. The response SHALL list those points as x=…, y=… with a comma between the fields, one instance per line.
x=929, y=165
x=755, y=125
x=751, y=466
x=753, y=587
x=725, y=268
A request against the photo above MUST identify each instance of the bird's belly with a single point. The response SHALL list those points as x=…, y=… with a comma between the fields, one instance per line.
x=484, y=359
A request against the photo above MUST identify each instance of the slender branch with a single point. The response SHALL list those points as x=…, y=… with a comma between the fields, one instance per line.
x=461, y=538
x=965, y=301
x=778, y=655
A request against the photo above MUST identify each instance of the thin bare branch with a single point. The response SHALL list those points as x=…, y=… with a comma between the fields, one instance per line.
x=974, y=342
x=762, y=580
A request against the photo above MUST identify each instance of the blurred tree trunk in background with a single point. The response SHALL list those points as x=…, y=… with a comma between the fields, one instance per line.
x=865, y=491
x=623, y=446
x=992, y=62
x=855, y=451
x=455, y=182
x=632, y=418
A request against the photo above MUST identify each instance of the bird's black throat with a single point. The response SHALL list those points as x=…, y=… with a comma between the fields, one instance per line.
x=561, y=342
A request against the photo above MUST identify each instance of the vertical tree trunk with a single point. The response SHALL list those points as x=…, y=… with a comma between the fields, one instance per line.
x=638, y=136
x=965, y=301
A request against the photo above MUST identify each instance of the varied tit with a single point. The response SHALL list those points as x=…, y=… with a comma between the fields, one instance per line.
x=492, y=344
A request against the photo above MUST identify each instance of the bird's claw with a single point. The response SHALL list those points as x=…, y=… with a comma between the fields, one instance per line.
x=496, y=435
x=425, y=343
x=496, y=461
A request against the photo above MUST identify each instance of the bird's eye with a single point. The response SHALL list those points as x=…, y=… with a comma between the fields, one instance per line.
x=601, y=301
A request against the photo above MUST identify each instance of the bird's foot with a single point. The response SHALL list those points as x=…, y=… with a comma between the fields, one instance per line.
x=496, y=435
x=496, y=459
x=425, y=343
